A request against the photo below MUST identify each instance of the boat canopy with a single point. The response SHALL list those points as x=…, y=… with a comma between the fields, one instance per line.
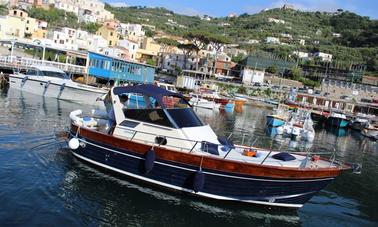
x=148, y=90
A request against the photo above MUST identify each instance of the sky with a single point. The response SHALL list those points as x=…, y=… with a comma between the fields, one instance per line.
x=221, y=8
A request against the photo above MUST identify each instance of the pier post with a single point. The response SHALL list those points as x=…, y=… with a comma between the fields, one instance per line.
x=43, y=53
x=11, y=54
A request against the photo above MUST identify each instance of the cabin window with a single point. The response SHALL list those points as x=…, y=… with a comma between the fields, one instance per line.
x=32, y=72
x=153, y=116
x=54, y=74
x=184, y=117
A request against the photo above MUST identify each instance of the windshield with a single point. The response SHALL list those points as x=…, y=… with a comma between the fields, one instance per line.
x=54, y=74
x=177, y=113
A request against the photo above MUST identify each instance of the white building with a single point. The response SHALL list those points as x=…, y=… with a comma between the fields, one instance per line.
x=171, y=61
x=97, y=9
x=323, y=56
x=302, y=42
x=253, y=41
x=67, y=5
x=285, y=35
x=300, y=54
x=274, y=20
x=273, y=40
x=87, y=16
x=250, y=76
x=131, y=30
x=336, y=35
x=131, y=46
x=64, y=38
x=96, y=43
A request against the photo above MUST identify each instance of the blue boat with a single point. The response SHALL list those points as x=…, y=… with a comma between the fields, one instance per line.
x=274, y=121
x=337, y=120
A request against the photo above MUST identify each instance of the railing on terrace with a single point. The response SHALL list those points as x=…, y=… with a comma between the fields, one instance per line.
x=22, y=62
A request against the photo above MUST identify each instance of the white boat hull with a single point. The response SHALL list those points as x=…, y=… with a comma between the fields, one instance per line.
x=60, y=89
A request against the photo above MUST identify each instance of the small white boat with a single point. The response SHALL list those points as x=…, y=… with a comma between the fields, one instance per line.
x=299, y=127
x=55, y=83
x=371, y=130
x=198, y=101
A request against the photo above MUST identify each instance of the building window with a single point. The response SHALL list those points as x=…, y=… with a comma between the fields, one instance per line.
x=21, y=14
x=111, y=33
x=110, y=43
x=15, y=12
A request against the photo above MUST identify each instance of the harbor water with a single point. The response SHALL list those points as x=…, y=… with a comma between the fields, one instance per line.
x=41, y=183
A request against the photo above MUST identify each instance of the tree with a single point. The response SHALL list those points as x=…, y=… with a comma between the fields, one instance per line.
x=90, y=27
x=272, y=69
x=187, y=50
x=3, y=10
x=200, y=40
x=237, y=58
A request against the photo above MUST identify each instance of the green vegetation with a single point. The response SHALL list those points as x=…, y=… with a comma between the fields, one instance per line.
x=3, y=10
x=60, y=18
x=358, y=43
x=55, y=17
x=90, y=27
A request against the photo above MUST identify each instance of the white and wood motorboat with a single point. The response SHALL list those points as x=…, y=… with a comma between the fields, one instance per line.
x=167, y=145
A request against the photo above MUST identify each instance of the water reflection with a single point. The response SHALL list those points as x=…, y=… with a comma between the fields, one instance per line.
x=133, y=204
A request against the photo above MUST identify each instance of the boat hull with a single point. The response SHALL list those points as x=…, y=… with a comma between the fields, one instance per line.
x=218, y=184
x=272, y=121
x=337, y=122
x=56, y=90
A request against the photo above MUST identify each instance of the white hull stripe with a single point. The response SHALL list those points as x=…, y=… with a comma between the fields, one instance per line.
x=185, y=189
x=209, y=173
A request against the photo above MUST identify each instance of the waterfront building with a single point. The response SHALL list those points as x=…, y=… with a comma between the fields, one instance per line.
x=250, y=76
x=111, y=68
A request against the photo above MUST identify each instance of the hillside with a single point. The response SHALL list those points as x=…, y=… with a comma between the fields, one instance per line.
x=358, y=43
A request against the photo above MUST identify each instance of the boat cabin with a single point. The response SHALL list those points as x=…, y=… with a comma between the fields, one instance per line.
x=149, y=113
x=45, y=71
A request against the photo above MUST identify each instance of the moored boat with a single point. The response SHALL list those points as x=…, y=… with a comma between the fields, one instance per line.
x=172, y=148
x=279, y=117
x=200, y=102
x=358, y=123
x=370, y=130
x=53, y=82
x=338, y=120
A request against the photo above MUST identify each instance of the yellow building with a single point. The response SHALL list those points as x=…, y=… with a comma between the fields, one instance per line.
x=18, y=24
x=109, y=32
x=149, y=49
x=12, y=27
x=31, y=26
x=39, y=34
